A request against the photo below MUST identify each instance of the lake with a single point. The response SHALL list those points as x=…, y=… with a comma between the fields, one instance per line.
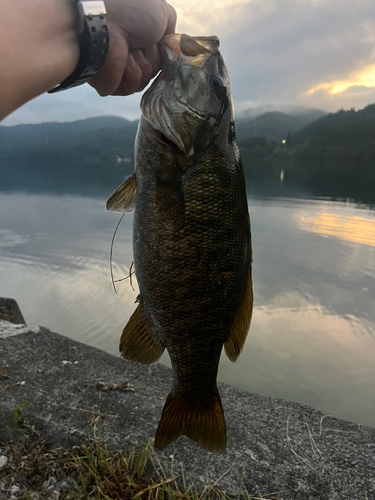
x=312, y=337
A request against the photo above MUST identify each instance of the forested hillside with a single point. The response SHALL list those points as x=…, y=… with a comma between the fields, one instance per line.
x=102, y=138
x=342, y=143
x=276, y=125
x=341, y=129
x=111, y=136
x=88, y=156
x=334, y=155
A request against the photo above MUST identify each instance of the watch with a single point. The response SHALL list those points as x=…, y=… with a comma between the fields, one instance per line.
x=93, y=44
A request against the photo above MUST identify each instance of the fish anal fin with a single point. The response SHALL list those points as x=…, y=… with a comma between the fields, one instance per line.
x=240, y=326
x=202, y=422
x=138, y=342
x=122, y=200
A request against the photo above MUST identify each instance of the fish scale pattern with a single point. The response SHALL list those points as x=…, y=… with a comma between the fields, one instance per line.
x=192, y=270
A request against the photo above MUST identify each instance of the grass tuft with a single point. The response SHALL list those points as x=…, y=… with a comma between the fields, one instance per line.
x=95, y=473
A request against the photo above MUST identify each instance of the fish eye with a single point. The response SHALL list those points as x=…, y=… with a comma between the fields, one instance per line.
x=216, y=82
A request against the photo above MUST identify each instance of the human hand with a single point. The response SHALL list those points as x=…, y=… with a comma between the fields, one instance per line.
x=135, y=27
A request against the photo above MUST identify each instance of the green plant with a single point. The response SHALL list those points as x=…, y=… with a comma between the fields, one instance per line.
x=16, y=413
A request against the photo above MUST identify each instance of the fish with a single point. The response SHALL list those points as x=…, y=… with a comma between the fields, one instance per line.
x=191, y=237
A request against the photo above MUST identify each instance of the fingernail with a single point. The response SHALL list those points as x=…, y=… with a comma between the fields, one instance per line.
x=139, y=57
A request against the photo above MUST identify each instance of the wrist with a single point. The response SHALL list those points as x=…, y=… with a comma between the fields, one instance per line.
x=93, y=43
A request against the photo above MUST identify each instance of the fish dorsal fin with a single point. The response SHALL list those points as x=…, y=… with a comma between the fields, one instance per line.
x=189, y=47
x=122, y=200
x=240, y=326
x=212, y=43
x=138, y=342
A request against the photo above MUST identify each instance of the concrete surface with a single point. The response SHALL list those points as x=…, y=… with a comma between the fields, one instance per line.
x=276, y=448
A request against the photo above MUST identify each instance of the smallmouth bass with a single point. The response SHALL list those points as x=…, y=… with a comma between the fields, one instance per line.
x=191, y=236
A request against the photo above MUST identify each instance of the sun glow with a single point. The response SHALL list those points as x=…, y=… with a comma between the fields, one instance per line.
x=196, y=17
x=366, y=78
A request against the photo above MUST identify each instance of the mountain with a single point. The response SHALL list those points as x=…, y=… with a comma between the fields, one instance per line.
x=52, y=133
x=344, y=129
x=101, y=138
x=275, y=124
x=90, y=156
x=289, y=109
x=332, y=156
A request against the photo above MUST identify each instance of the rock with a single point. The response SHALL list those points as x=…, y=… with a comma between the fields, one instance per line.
x=50, y=485
x=10, y=311
x=14, y=490
x=64, y=486
x=3, y=461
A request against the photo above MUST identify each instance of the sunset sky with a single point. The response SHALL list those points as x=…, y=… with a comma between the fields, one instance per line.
x=314, y=53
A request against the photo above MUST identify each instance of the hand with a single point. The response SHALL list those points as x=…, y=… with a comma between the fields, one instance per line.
x=135, y=27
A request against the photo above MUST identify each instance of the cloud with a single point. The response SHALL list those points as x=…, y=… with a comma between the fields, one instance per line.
x=283, y=49
x=276, y=52
x=74, y=104
x=366, y=78
x=202, y=17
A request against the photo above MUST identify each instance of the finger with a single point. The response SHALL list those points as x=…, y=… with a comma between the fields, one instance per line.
x=131, y=79
x=172, y=19
x=145, y=67
x=109, y=77
x=153, y=56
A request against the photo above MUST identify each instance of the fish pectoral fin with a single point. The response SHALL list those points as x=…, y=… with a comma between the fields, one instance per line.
x=240, y=326
x=138, y=342
x=203, y=422
x=122, y=200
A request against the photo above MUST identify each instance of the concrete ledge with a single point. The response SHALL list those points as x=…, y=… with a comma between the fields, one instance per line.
x=274, y=446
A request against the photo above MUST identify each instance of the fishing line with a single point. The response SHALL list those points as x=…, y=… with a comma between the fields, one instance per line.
x=111, y=253
x=128, y=276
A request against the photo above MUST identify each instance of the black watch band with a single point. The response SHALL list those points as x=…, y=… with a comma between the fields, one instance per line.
x=93, y=44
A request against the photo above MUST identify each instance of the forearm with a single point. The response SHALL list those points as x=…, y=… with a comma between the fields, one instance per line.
x=38, y=48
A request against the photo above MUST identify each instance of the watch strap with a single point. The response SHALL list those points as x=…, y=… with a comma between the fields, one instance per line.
x=93, y=44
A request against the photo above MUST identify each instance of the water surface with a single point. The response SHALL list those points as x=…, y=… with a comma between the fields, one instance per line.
x=312, y=337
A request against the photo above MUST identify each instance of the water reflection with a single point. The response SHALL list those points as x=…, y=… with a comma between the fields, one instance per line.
x=307, y=354
x=313, y=331
x=329, y=272
x=60, y=272
x=350, y=228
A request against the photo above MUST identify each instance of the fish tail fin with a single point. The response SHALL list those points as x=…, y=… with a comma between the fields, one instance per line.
x=202, y=422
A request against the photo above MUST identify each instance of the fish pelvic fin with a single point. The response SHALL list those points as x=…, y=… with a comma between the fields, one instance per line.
x=202, y=422
x=240, y=326
x=138, y=342
x=122, y=200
